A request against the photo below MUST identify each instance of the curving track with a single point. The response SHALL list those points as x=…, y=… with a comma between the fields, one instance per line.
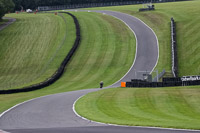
x=54, y=113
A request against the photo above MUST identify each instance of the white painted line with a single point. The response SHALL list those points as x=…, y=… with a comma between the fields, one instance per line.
x=135, y=51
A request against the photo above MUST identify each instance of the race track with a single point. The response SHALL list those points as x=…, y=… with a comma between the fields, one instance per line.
x=54, y=113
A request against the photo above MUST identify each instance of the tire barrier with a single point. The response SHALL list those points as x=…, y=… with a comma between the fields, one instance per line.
x=60, y=70
x=174, y=48
x=167, y=82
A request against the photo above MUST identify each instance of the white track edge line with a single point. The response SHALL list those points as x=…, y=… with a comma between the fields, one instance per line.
x=135, y=50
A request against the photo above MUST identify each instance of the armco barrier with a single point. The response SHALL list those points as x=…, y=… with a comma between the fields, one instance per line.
x=60, y=70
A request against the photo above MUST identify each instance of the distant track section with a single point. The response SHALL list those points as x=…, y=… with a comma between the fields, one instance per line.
x=60, y=70
x=11, y=20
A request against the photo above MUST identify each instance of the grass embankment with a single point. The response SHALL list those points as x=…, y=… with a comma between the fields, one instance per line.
x=187, y=16
x=33, y=47
x=160, y=107
x=106, y=53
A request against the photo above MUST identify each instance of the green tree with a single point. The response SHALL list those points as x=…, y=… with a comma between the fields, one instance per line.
x=17, y=4
x=2, y=9
x=5, y=7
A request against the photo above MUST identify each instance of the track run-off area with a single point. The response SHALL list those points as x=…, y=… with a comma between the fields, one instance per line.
x=54, y=113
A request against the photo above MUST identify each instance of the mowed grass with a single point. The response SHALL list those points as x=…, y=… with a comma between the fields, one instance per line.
x=187, y=17
x=106, y=52
x=158, y=107
x=32, y=48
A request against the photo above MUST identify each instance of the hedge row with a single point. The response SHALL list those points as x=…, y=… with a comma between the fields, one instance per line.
x=60, y=70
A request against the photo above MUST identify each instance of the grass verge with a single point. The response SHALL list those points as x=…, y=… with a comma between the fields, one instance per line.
x=159, y=107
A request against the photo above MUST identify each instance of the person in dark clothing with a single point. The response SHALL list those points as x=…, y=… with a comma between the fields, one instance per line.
x=101, y=84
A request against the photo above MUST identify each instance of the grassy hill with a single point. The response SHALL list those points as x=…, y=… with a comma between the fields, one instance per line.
x=106, y=53
x=33, y=47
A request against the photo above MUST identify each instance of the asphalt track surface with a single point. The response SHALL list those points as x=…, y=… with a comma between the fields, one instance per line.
x=54, y=113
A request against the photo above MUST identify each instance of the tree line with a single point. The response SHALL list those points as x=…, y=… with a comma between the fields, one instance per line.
x=33, y=4
x=5, y=7
x=9, y=5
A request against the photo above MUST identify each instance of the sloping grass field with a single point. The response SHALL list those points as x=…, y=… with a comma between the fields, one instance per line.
x=160, y=107
x=33, y=47
x=106, y=53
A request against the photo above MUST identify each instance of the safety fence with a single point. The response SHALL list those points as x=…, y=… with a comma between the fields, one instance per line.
x=174, y=48
x=60, y=70
x=88, y=5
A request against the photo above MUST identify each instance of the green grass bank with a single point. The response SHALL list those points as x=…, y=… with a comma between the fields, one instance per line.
x=33, y=47
x=158, y=107
x=106, y=53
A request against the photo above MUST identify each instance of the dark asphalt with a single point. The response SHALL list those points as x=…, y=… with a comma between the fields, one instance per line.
x=54, y=113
